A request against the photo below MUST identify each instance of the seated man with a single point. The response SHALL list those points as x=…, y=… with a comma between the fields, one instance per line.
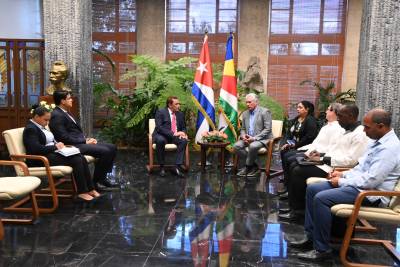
x=66, y=129
x=254, y=134
x=170, y=129
x=345, y=151
x=378, y=169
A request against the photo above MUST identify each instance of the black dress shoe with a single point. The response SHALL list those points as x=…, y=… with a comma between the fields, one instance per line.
x=285, y=210
x=315, y=255
x=177, y=172
x=284, y=196
x=304, y=243
x=291, y=215
x=106, y=186
x=282, y=191
x=162, y=172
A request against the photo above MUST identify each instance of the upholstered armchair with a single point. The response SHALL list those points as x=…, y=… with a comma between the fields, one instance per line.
x=272, y=145
x=15, y=145
x=15, y=187
x=168, y=148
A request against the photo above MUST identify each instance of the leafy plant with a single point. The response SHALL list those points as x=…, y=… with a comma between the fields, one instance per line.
x=326, y=96
x=277, y=110
x=155, y=81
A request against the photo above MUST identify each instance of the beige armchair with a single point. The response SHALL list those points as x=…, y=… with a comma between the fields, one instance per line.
x=15, y=187
x=17, y=152
x=168, y=147
x=356, y=212
x=363, y=224
x=272, y=146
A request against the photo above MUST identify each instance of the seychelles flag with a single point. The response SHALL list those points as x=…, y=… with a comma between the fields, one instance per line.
x=203, y=94
x=228, y=111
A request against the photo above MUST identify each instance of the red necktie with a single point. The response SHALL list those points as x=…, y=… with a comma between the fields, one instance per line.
x=173, y=123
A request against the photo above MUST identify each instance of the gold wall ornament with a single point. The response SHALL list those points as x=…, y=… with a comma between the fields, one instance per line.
x=58, y=74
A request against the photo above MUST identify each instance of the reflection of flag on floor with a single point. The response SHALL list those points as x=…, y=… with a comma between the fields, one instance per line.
x=225, y=228
x=228, y=114
x=203, y=94
x=199, y=240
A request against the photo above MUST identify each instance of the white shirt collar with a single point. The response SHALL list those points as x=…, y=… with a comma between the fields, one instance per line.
x=37, y=124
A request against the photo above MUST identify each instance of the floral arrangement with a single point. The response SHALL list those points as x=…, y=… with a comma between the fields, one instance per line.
x=44, y=104
x=214, y=136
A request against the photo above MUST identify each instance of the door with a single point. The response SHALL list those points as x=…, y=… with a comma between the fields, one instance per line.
x=21, y=80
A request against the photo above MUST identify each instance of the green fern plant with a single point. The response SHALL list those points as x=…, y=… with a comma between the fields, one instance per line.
x=326, y=96
x=155, y=81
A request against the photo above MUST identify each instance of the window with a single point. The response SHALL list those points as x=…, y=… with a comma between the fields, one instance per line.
x=187, y=20
x=306, y=43
x=114, y=33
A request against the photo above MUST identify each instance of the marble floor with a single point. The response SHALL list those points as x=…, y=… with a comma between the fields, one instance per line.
x=205, y=219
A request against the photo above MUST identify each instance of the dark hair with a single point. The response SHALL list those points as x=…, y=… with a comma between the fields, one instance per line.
x=39, y=110
x=309, y=106
x=381, y=116
x=59, y=95
x=353, y=110
x=170, y=99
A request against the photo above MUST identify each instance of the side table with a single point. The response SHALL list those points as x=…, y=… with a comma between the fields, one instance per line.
x=205, y=146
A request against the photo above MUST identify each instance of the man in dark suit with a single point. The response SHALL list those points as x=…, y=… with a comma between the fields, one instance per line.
x=170, y=129
x=66, y=129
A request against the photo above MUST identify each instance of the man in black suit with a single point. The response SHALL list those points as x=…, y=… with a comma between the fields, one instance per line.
x=66, y=129
x=170, y=129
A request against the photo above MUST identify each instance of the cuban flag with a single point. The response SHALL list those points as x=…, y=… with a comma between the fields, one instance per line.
x=203, y=94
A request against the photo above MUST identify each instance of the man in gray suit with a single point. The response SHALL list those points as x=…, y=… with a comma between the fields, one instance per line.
x=254, y=134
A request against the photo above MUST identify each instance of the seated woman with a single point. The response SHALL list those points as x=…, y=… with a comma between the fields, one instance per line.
x=40, y=141
x=302, y=131
x=328, y=133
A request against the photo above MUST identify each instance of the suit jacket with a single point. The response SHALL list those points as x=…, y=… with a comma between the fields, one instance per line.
x=262, y=124
x=35, y=143
x=307, y=133
x=65, y=129
x=163, y=123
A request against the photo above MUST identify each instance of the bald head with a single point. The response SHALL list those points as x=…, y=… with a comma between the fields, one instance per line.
x=379, y=115
x=377, y=123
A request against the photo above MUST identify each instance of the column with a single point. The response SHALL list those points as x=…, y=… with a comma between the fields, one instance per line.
x=150, y=30
x=379, y=61
x=67, y=27
x=253, y=34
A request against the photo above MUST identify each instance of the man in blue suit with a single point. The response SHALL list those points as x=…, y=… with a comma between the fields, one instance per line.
x=170, y=129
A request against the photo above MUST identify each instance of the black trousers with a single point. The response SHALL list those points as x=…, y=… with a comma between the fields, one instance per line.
x=297, y=183
x=105, y=155
x=288, y=157
x=161, y=141
x=80, y=169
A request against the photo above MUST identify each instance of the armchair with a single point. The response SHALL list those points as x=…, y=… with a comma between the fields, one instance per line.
x=268, y=151
x=15, y=187
x=354, y=212
x=14, y=142
x=168, y=147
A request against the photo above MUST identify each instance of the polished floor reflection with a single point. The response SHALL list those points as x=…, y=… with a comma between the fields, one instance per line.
x=206, y=219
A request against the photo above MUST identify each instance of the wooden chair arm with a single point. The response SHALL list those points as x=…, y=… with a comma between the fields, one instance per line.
x=35, y=157
x=13, y=163
x=364, y=194
x=276, y=139
x=342, y=168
